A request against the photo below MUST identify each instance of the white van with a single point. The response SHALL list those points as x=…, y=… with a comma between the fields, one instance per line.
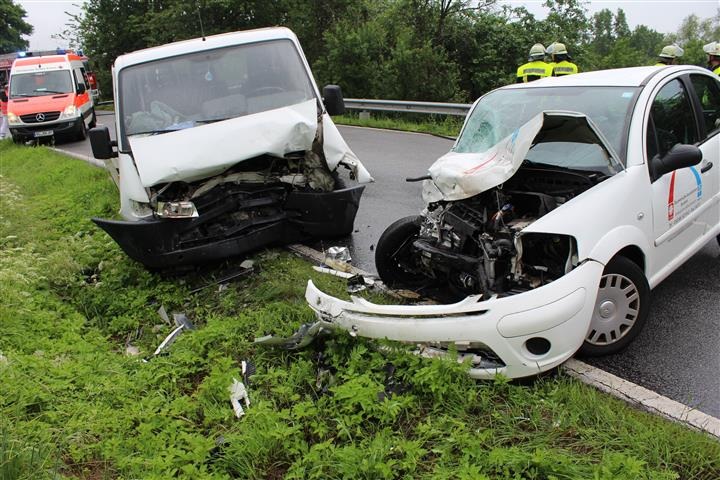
x=225, y=145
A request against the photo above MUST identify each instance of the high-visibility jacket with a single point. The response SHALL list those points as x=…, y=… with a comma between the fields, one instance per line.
x=660, y=64
x=717, y=70
x=564, y=68
x=533, y=71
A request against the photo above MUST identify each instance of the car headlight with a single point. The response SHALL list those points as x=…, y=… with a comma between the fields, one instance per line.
x=12, y=118
x=70, y=111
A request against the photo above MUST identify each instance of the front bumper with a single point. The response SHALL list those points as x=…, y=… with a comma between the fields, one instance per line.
x=508, y=328
x=27, y=130
x=215, y=234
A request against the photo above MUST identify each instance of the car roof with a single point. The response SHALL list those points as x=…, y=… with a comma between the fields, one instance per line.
x=618, y=77
x=204, y=43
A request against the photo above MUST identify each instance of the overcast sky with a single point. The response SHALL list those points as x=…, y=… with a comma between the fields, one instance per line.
x=48, y=17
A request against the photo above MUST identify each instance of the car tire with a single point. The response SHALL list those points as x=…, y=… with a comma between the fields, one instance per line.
x=82, y=131
x=394, y=246
x=93, y=122
x=621, y=308
x=17, y=138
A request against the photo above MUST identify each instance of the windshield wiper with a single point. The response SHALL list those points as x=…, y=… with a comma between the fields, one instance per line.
x=151, y=132
x=212, y=120
x=50, y=92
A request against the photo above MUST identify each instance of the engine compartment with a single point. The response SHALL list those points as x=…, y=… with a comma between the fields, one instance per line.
x=476, y=245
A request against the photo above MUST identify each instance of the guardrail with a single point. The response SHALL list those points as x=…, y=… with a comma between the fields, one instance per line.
x=457, y=109
x=365, y=104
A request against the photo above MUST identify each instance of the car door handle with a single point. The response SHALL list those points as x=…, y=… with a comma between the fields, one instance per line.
x=706, y=167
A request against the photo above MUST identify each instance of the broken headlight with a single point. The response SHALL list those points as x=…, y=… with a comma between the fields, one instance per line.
x=176, y=210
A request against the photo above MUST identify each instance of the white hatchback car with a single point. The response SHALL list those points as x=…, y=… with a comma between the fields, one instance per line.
x=561, y=204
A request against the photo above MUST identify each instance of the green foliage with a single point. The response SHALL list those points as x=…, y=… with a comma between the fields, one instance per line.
x=74, y=405
x=11, y=16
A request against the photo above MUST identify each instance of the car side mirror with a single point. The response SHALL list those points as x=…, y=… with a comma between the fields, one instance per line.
x=679, y=156
x=333, y=100
x=3, y=96
x=102, y=146
x=81, y=89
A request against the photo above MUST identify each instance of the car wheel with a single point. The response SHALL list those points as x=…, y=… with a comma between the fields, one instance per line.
x=93, y=122
x=621, y=308
x=393, y=255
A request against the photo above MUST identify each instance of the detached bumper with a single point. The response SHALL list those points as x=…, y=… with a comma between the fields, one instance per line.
x=236, y=226
x=525, y=334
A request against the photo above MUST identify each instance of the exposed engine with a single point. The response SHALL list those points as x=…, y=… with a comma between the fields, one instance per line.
x=476, y=245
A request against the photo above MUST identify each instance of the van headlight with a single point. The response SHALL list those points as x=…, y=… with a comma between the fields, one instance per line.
x=70, y=111
x=13, y=119
x=176, y=210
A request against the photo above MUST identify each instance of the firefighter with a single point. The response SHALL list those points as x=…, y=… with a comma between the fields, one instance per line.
x=669, y=55
x=561, y=60
x=536, y=67
x=713, y=52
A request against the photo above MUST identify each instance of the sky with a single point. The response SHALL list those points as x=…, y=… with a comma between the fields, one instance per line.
x=48, y=17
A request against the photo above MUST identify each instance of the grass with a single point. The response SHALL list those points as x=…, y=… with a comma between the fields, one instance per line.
x=74, y=405
x=442, y=125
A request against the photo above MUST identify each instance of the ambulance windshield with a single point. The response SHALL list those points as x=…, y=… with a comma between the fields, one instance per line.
x=35, y=84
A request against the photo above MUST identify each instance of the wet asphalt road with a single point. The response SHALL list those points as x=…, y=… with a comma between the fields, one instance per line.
x=678, y=352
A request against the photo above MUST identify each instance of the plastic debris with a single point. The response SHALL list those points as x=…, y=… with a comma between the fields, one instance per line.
x=358, y=283
x=333, y=272
x=163, y=314
x=246, y=267
x=248, y=370
x=238, y=392
x=181, y=323
x=302, y=338
x=338, y=258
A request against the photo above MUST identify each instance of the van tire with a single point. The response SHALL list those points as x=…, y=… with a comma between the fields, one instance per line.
x=93, y=122
x=17, y=138
x=82, y=131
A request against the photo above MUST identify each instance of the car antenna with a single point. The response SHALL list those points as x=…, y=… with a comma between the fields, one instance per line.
x=202, y=31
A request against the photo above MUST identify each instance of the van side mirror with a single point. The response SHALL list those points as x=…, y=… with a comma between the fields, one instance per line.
x=102, y=146
x=679, y=156
x=333, y=100
x=81, y=89
x=3, y=96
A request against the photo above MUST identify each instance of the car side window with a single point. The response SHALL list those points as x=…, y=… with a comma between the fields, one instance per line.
x=707, y=90
x=672, y=119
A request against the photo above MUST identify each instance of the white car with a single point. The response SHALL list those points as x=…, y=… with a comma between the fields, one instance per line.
x=561, y=205
x=225, y=145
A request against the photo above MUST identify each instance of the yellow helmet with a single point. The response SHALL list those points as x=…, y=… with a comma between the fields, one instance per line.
x=712, y=48
x=556, y=48
x=671, y=51
x=537, y=52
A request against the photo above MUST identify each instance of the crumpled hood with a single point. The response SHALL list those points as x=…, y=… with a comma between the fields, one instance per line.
x=207, y=150
x=456, y=176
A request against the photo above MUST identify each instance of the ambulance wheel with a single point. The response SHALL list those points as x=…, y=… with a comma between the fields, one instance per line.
x=82, y=130
x=17, y=138
x=93, y=122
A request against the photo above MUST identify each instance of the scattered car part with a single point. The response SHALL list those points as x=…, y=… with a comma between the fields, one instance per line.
x=246, y=268
x=181, y=323
x=300, y=339
x=238, y=392
x=332, y=271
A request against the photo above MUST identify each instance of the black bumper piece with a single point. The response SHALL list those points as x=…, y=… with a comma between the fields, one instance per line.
x=163, y=243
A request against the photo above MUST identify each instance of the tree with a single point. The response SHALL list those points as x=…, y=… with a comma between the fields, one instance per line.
x=11, y=16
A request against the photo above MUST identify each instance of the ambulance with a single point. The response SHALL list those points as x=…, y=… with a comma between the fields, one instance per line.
x=49, y=96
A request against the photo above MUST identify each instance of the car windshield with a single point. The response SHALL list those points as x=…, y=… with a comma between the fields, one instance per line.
x=210, y=86
x=36, y=84
x=500, y=113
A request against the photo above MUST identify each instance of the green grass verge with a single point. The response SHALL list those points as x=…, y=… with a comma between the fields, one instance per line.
x=443, y=125
x=72, y=404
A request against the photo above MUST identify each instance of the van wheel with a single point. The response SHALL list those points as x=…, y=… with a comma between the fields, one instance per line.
x=82, y=132
x=93, y=122
x=17, y=138
x=394, y=255
x=621, y=308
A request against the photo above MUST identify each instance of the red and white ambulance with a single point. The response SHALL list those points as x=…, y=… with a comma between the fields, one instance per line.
x=49, y=96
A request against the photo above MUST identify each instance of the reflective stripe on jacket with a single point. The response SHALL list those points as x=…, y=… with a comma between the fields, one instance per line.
x=533, y=70
x=564, y=68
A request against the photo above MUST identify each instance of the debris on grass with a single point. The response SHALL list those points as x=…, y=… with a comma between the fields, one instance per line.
x=333, y=272
x=238, y=392
x=245, y=268
x=181, y=323
x=302, y=338
x=338, y=258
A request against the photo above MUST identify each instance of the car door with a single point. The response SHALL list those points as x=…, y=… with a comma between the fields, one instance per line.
x=682, y=200
x=706, y=99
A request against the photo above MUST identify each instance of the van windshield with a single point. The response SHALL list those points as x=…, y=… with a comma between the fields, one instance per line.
x=210, y=86
x=36, y=84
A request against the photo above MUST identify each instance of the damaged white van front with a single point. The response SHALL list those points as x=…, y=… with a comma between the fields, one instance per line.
x=224, y=145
